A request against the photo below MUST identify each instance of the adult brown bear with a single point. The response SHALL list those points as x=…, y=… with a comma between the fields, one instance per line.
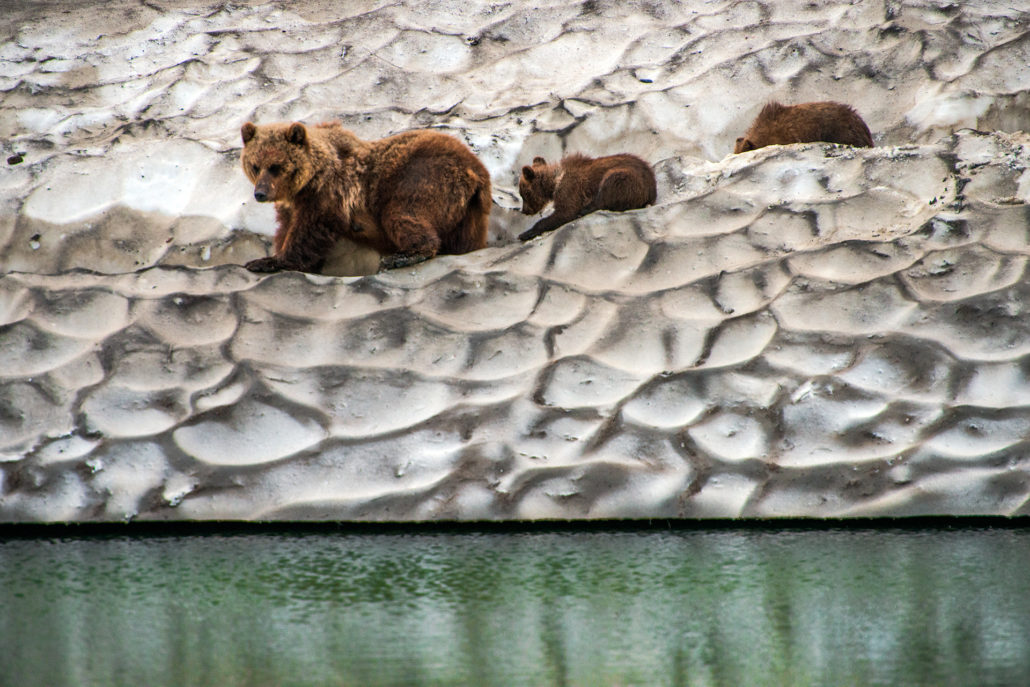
x=408, y=196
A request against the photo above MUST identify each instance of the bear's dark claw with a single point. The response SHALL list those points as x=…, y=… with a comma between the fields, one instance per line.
x=392, y=262
x=270, y=264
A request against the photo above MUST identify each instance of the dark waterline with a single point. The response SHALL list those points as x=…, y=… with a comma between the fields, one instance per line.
x=624, y=607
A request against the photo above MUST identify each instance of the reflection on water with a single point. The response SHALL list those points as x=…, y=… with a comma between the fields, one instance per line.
x=697, y=607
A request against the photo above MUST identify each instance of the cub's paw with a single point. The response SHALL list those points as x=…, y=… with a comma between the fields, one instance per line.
x=392, y=262
x=542, y=226
x=270, y=264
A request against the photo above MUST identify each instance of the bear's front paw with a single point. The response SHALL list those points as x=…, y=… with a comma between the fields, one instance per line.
x=270, y=264
x=543, y=225
x=392, y=262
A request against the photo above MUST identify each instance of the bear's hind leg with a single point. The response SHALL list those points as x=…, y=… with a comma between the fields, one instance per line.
x=620, y=190
x=472, y=229
x=414, y=240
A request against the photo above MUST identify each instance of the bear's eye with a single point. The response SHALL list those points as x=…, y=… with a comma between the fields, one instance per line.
x=275, y=170
x=255, y=169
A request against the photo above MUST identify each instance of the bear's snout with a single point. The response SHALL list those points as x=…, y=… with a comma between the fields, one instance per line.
x=262, y=190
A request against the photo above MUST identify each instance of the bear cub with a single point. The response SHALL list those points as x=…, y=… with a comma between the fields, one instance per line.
x=579, y=185
x=409, y=196
x=827, y=122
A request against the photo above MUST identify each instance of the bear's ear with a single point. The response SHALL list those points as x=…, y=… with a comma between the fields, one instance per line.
x=248, y=132
x=297, y=133
x=539, y=161
x=744, y=145
x=528, y=173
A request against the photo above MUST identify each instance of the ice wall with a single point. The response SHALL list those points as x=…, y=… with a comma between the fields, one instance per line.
x=800, y=331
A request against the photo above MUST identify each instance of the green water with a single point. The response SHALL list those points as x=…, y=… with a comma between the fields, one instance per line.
x=693, y=607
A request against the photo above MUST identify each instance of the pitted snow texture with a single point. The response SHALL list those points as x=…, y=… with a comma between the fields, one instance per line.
x=723, y=354
x=798, y=331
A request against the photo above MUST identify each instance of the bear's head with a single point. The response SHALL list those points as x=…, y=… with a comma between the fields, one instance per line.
x=743, y=145
x=536, y=186
x=277, y=159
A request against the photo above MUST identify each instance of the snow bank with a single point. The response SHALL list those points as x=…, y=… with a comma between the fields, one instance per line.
x=805, y=331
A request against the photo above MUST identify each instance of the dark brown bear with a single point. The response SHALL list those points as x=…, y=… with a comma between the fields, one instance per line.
x=409, y=196
x=827, y=122
x=579, y=185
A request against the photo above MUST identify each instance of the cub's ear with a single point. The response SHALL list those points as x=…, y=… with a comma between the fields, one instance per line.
x=539, y=161
x=248, y=132
x=528, y=173
x=297, y=133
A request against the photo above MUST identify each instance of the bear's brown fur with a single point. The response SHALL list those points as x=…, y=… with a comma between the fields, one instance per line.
x=828, y=122
x=409, y=196
x=579, y=185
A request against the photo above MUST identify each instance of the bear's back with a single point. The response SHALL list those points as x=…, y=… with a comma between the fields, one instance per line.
x=590, y=171
x=824, y=121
